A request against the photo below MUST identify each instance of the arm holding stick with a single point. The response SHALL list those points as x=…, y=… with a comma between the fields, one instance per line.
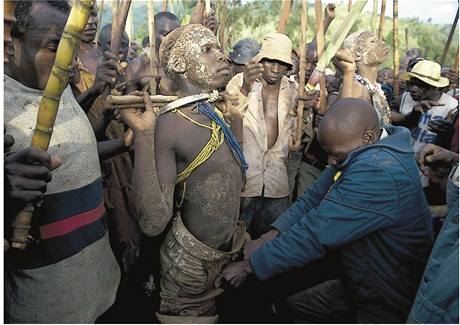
x=49, y=103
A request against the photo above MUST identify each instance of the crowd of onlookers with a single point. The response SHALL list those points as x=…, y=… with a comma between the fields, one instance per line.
x=356, y=220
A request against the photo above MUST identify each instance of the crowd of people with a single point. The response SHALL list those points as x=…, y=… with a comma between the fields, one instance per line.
x=202, y=209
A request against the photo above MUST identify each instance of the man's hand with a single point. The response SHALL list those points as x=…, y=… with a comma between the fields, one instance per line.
x=26, y=174
x=329, y=12
x=138, y=120
x=310, y=98
x=344, y=61
x=108, y=71
x=252, y=72
x=131, y=251
x=441, y=127
x=253, y=245
x=438, y=159
x=211, y=22
x=426, y=105
x=8, y=141
x=235, y=273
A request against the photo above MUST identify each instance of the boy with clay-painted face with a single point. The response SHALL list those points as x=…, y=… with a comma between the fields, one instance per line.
x=188, y=168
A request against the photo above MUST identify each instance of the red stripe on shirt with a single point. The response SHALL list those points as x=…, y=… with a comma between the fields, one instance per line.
x=67, y=225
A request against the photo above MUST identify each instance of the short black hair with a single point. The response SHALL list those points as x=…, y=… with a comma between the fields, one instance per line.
x=145, y=41
x=166, y=14
x=23, y=15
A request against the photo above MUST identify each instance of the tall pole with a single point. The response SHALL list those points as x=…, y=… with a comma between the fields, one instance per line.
x=350, y=4
x=223, y=21
x=449, y=40
x=320, y=50
x=152, y=49
x=406, y=34
x=395, y=48
x=285, y=12
x=374, y=16
x=164, y=7
x=99, y=21
x=294, y=144
x=129, y=25
x=382, y=18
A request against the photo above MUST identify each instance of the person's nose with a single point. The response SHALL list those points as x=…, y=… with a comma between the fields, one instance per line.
x=221, y=57
x=276, y=68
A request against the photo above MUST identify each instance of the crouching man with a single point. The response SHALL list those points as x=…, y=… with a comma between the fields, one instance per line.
x=369, y=206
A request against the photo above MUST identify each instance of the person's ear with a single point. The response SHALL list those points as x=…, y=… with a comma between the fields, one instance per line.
x=178, y=65
x=369, y=137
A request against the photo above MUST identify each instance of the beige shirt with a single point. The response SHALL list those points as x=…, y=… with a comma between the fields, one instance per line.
x=267, y=167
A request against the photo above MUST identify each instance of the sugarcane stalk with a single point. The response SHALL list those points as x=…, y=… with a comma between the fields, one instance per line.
x=99, y=21
x=49, y=103
x=152, y=50
x=294, y=144
x=285, y=12
x=395, y=48
x=8, y=21
x=382, y=18
x=223, y=20
x=336, y=42
x=164, y=6
x=374, y=16
x=449, y=40
x=350, y=5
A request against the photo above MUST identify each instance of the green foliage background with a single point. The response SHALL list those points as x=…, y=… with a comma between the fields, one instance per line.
x=256, y=18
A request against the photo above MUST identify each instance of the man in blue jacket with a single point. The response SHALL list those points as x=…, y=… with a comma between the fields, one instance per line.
x=369, y=205
x=436, y=301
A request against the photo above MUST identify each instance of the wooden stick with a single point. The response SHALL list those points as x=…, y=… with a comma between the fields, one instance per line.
x=207, y=7
x=374, y=16
x=382, y=18
x=129, y=25
x=449, y=40
x=164, y=7
x=197, y=12
x=294, y=144
x=285, y=12
x=350, y=4
x=320, y=49
x=395, y=48
x=120, y=12
x=455, y=65
x=99, y=21
x=153, y=71
x=130, y=99
x=223, y=20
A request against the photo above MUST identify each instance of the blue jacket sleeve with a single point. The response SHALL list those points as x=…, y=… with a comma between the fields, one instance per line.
x=363, y=200
x=311, y=198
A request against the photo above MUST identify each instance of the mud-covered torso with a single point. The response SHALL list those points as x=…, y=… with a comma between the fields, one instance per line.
x=211, y=200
